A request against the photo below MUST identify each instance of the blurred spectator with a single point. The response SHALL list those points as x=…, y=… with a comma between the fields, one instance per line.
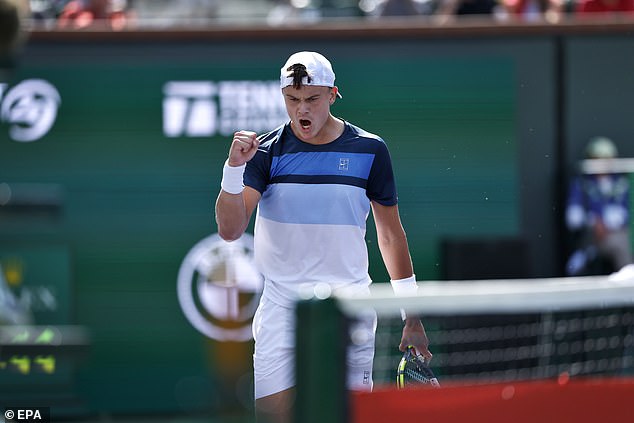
x=387, y=8
x=190, y=13
x=399, y=8
x=12, y=13
x=533, y=10
x=283, y=12
x=44, y=13
x=288, y=12
x=9, y=23
x=81, y=14
x=12, y=312
x=585, y=7
x=598, y=216
x=449, y=9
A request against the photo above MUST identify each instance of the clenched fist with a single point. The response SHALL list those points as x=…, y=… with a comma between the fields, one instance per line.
x=243, y=148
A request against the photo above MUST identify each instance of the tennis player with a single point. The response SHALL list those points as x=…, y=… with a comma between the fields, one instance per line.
x=314, y=181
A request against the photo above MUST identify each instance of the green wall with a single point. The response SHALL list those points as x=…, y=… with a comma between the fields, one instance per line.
x=472, y=124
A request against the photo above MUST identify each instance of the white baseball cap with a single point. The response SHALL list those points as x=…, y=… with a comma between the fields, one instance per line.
x=317, y=66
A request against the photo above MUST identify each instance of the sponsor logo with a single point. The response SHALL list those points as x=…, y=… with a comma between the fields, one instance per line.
x=207, y=108
x=219, y=287
x=30, y=108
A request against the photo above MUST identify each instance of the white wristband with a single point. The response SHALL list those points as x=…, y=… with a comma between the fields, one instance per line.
x=406, y=286
x=232, y=178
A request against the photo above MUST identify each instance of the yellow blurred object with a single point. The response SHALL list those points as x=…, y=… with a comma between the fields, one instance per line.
x=46, y=363
x=13, y=271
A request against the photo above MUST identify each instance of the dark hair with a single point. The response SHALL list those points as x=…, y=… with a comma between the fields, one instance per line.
x=298, y=72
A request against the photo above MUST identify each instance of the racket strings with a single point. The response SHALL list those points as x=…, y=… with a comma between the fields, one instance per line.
x=414, y=371
x=414, y=374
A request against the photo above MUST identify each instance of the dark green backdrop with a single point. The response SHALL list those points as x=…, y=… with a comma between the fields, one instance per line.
x=481, y=130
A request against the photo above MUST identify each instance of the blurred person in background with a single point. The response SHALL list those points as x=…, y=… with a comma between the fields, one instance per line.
x=12, y=33
x=82, y=14
x=12, y=312
x=399, y=8
x=285, y=12
x=44, y=13
x=396, y=8
x=589, y=8
x=12, y=15
x=532, y=10
x=598, y=215
x=448, y=10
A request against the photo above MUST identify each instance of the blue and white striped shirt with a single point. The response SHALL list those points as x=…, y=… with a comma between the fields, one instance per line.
x=311, y=220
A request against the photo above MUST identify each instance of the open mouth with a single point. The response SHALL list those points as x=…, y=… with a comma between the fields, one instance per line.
x=304, y=123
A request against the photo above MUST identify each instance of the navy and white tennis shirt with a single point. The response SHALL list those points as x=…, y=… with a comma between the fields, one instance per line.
x=311, y=220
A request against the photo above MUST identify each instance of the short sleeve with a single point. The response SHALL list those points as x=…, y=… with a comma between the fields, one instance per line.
x=381, y=185
x=256, y=173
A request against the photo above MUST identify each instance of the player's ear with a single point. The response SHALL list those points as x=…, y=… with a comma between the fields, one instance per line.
x=333, y=94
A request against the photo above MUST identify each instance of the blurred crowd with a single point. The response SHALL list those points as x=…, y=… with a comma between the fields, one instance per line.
x=507, y=10
x=120, y=14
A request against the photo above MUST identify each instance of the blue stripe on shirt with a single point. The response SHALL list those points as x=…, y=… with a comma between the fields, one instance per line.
x=315, y=204
x=356, y=165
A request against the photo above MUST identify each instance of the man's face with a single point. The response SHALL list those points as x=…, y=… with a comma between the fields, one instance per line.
x=309, y=109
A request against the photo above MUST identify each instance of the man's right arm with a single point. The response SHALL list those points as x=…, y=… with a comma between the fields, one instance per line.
x=236, y=203
x=233, y=212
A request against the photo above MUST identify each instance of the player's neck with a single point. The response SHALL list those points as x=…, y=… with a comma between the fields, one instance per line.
x=331, y=131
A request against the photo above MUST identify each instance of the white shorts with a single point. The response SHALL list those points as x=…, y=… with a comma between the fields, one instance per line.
x=274, y=356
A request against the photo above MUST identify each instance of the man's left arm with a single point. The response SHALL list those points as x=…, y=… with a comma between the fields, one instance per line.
x=395, y=253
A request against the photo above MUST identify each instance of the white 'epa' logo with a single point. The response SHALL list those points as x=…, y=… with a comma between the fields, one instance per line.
x=30, y=108
x=219, y=287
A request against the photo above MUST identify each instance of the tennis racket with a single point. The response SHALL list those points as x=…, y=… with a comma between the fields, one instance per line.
x=413, y=370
